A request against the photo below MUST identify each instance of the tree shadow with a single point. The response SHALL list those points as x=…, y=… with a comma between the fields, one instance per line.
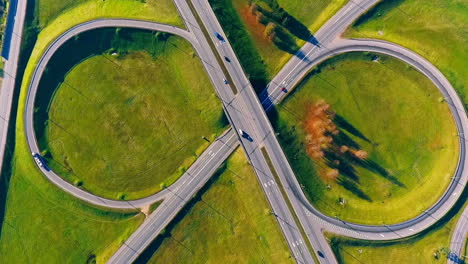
x=378, y=10
x=353, y=187
x=338, y=162
x=285, y=41
x=341, y=122
x=287, y=27
x=289, y=22
x=342, y=139
x=376, y=168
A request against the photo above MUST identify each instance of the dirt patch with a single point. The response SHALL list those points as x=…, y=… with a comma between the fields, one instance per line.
x=146, y=210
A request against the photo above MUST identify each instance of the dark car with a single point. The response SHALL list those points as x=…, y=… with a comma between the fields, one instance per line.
x=227, y=59
x=219, y=37
x=320, y=254
x=225, y=81
x=245, y=135
x=40, y=161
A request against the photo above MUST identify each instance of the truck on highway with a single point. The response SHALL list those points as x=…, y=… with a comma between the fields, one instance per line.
x=40, y=161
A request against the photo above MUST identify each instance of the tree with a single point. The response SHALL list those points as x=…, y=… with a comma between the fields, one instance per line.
x=270, y=29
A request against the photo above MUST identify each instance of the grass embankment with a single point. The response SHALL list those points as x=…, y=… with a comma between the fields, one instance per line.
x=230, y=222
x=124, y=126
x=45, y=225
x=40, y=223
x=267, y=33
x=73, y=11
x=431, y=246
x=434, y=29
x=388, y=110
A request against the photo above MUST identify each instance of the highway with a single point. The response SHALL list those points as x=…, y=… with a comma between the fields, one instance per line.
x=216, y=77
x=459, y=240
x=330, y=31
x=245, y=112
x=9, y=78
x=240, y=118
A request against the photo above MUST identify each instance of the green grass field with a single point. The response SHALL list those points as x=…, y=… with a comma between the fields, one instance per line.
x=387, y=109
x=229, y=223
x=48, y=10
x=260, y=57
x=420, y=249
x=434, y=29
x=125, y=126
x=42, y=224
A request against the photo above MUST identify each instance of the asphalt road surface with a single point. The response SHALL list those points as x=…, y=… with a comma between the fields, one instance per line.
x=9, y=77
x=459, y=239
x=245, y=112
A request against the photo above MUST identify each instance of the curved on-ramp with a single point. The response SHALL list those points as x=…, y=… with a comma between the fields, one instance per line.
x=29, y=111
x=458, y=241
x=458, y=182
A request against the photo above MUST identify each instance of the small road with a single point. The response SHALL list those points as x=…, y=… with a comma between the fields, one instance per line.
x=459, y=240
x=9, y=77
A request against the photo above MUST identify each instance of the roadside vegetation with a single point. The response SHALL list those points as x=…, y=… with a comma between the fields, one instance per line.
x=434, y=29
x=82, y=10
x=125, y=123
x=229, y=221
x=360, y=154
x=42, y=224
x=431, y=246
x=3, y=19
x=265, y=34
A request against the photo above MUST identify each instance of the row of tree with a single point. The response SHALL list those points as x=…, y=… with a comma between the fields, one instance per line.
x=280, y=26
x=321, y=132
